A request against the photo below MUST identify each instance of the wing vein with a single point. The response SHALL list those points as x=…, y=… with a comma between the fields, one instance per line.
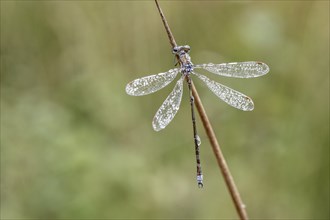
x=169, y=108
x=151, y=84
x=248, y=69
x=228, y=95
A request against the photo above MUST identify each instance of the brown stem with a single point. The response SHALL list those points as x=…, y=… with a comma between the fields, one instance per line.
x=239, y=205
x=167, y=28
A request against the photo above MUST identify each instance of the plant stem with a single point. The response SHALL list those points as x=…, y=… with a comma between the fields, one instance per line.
x=167, y=28
x=239, y=205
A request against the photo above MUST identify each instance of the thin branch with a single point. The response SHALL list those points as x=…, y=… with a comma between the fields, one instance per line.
x=239, y=205
x=167, y=28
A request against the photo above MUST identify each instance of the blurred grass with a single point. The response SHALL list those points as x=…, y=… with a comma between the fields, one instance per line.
x=74, y=145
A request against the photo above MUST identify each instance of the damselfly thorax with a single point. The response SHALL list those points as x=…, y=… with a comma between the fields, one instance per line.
x=184, y=59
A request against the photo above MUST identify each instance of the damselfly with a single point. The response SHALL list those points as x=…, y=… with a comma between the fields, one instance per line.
x=167, y=111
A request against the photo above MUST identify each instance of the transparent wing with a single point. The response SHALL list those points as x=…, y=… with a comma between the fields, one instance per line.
x=150, y=84
x=169, y=108
x=248, y=69
x=230, y=96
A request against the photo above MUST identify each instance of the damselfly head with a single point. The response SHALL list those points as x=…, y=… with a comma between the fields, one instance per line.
x=178, y=49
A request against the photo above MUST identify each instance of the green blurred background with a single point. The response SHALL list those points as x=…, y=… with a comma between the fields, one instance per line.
x=74, y=145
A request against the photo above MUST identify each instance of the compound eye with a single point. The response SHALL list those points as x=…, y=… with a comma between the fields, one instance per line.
x=175, y=49
x=187, y=48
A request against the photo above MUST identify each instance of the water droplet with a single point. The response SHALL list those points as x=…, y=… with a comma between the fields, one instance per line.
x=198, y=140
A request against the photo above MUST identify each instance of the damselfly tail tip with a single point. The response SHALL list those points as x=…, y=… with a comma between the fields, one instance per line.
x=200, y=181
